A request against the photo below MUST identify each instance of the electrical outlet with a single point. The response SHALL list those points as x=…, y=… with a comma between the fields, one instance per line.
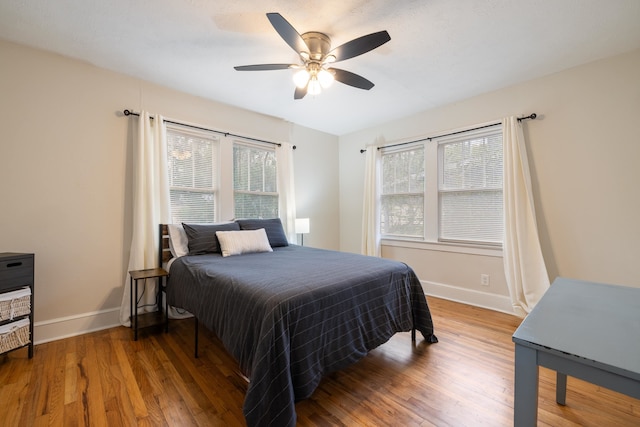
x=484, y=279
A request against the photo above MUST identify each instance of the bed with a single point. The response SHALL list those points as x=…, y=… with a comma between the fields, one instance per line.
x=290, y=314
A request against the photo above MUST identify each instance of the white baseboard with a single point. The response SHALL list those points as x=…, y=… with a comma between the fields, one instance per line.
x=71, y=326
x=469, y=296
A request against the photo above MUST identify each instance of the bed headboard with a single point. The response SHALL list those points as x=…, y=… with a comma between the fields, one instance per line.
x=164, y=252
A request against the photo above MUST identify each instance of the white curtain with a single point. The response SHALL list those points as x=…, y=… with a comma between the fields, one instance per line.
x=151, y=207
x=370, y=216
x=524, y=267
x=286, y=190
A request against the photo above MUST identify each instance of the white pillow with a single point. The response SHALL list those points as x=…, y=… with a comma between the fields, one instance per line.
x=243, y=242
x=178, y=241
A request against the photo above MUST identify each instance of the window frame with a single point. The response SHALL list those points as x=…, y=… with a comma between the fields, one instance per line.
x=474, y=134
x=262, y=147
x=393, y=151
x=215, y=189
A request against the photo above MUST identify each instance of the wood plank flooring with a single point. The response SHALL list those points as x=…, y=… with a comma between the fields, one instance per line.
x=105, y=379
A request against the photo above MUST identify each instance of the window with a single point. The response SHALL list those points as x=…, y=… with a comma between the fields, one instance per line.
x=191, y=157
x=254, y=181
x=446, y=189
x=470, y=188
x=402, y=198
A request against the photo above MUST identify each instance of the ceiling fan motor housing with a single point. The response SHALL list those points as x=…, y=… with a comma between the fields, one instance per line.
x=319, y=45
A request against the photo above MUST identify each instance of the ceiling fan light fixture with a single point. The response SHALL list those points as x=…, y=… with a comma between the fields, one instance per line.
x=325, y=78
x=314, y=87
x=301, y=78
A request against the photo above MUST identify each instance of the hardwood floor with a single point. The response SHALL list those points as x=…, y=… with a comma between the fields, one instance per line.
x=105, y=379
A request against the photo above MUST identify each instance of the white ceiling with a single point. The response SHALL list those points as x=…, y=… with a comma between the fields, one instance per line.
x=441, y=51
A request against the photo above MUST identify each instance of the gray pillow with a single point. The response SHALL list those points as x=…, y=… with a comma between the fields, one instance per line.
x=202, y=237
x=273, y=227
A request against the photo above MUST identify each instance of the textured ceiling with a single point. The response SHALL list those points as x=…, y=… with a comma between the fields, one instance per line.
x=441, y=51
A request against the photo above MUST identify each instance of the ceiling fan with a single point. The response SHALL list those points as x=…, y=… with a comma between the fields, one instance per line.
x=316, y=55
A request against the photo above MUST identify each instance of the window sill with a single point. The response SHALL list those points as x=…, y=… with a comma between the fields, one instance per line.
x=444, y=247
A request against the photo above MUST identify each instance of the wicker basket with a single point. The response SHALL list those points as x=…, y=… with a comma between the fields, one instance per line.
x=14, y=304
x=14, y=335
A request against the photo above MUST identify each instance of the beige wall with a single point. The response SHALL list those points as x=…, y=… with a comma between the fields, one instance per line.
x=317, y=195
x=583, y=152
x=65, y=177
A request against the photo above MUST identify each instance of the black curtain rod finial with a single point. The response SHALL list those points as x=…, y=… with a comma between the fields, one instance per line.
x=132, y=113
x=531, y=116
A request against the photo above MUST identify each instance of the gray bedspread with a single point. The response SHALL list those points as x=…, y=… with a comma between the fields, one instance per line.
x=295, y=314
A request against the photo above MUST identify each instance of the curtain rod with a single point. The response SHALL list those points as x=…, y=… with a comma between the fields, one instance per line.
x=531, y=116
x=132, y=113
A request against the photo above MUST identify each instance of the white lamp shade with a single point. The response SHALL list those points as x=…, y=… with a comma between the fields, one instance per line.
x=302, y=225
x=325, y=78
x=314, y=87
x=301, y=78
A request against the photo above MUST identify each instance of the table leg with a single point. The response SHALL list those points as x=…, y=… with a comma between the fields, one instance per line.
x=131, y=302
x=166, y=306
x=525, y=402
x=135, y=312
x=561, y=388
x=196, y=337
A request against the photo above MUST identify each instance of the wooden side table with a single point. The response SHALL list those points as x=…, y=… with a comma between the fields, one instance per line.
x=144, y=320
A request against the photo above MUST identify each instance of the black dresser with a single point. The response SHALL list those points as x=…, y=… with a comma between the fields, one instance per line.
x=16, y=301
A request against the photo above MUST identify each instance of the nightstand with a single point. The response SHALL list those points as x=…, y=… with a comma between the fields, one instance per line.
x=144, y=320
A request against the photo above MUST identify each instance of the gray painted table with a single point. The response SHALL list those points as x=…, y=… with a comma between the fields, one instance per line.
x=582, y=329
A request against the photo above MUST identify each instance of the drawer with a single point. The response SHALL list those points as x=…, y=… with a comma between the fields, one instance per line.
x=16, y=270
x=15, y=335
x=14, y=304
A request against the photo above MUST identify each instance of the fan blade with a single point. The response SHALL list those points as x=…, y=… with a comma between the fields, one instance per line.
x=263, y=67
x=360, y=45
x=351, y=79
x=299, y=93
x=288, y=33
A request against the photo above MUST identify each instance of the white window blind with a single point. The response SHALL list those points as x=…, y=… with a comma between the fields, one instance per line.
x=254, y=181
x=470, y=188
x=402, y=196
x=192, y=165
